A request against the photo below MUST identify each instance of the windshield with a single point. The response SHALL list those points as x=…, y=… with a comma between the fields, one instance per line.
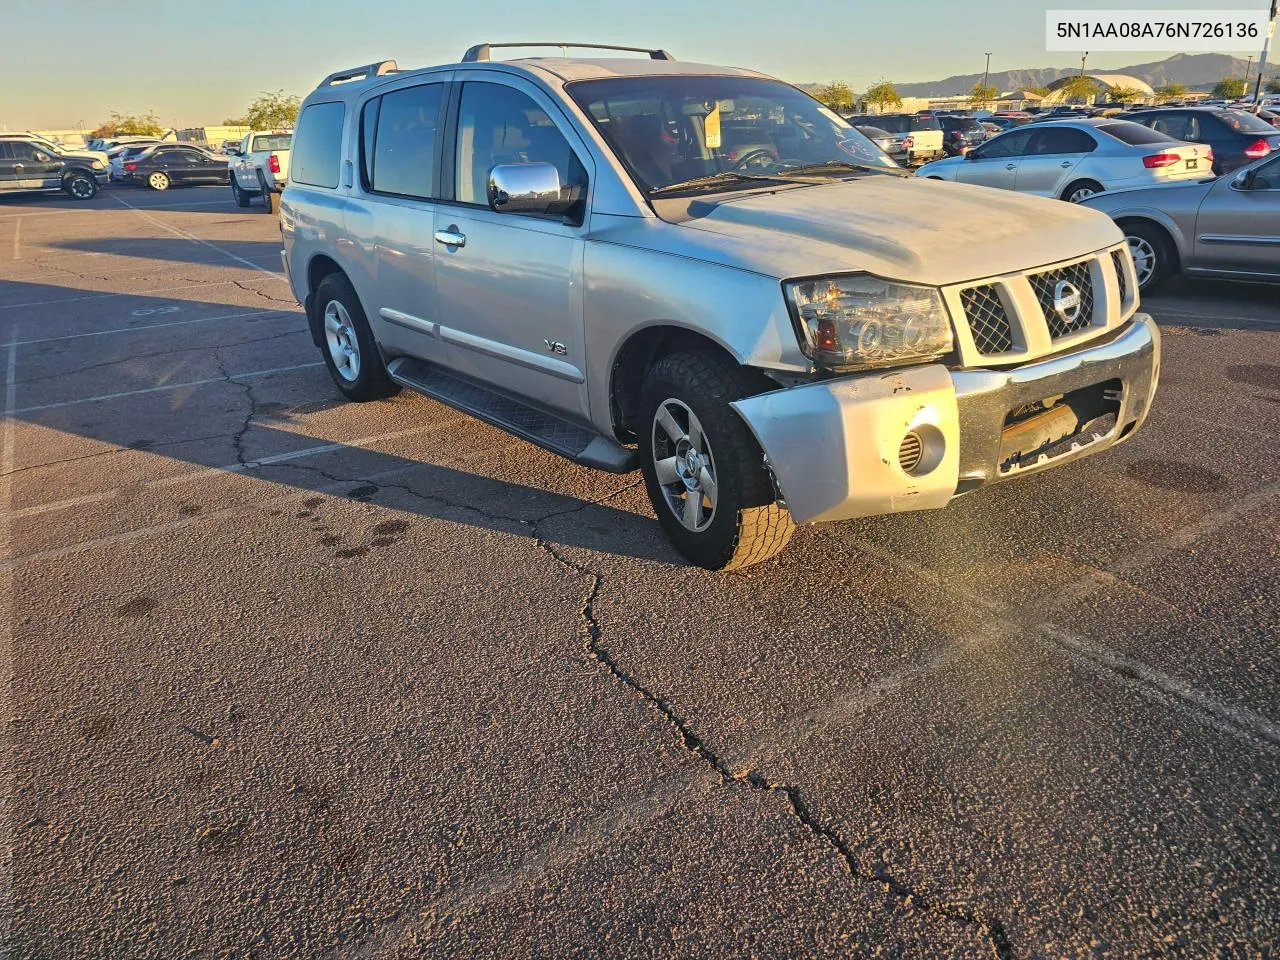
x=1242, y=122
x=277, y=141
x=668, y=130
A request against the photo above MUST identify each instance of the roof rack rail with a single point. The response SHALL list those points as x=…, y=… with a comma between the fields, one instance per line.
x=481, y=50
x=367, y=72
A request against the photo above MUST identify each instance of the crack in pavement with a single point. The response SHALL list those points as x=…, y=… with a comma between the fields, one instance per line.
x=237, y=439
x=242, y=284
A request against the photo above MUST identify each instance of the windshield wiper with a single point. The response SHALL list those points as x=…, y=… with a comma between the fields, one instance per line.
x=714, y=180
x=813, y=169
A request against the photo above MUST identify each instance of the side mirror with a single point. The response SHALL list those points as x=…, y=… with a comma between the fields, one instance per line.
x=527, y=188
x=972, y=155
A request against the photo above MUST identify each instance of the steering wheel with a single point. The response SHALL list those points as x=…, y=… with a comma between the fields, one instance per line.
x=758, y=157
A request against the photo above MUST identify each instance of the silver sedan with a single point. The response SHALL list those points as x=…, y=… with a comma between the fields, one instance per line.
x=1074, y=159
x=1227, y=228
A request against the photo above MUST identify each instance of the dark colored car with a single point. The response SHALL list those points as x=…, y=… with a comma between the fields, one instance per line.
x=896, y=145
x=960, y=135
x=1006, y=121
x=28, y=166
x=175, y=165
x=1236, y=138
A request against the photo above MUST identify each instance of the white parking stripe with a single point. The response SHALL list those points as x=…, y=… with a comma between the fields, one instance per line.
x=193, y=238
x=149, y=326
x=168, y=386
x=17, y=233
x=98, y=210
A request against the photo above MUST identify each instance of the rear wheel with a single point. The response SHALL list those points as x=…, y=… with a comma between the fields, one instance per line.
x=158, y=180
x=703, y=469
x=267, y=194
x=1081, y=189
x=239, y=194
x=350, y=352
x=80, y=185
x=1153, y=258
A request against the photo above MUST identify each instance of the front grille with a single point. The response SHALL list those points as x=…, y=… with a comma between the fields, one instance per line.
x=1045, y=286
x=988, y=321
x=1122, y=273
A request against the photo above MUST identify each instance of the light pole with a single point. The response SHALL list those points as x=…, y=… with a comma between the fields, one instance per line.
x=1262, y=60
x=985, y=73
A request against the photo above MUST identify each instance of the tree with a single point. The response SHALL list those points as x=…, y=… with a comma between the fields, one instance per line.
x=980, y=94
x=120, y=124
x=1125, y=94
x=837, y=95
x=272, y=110
x=882, y=95
x=1171, y=91
x=1078, y=89
x=1273, y=85
x=235, y=122
x=1038, y=91
x=1229, y=88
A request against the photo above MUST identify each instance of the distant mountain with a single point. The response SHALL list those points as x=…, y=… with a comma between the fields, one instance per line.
x=1194, y=71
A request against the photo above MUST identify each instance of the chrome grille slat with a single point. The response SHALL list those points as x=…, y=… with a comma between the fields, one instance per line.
x=988, y=320
x=1043, y=284
x=1122, y=273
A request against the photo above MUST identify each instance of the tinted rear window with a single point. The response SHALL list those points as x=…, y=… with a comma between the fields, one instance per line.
x=1134, y=133
x=1241, y=122
x=893, y=124
x=318, y=147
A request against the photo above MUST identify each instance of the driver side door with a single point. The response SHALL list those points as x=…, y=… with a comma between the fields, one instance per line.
x=1238, y=230
x=996, y=162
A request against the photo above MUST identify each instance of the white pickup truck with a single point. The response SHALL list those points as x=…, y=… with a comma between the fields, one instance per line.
x=260, y=165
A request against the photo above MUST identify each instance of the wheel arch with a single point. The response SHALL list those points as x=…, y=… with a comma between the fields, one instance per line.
x=638, y=352
x=1171, y=233
x=320, y=266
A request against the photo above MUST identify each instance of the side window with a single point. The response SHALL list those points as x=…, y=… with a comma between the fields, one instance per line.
x=316, y=151
x=22, y=152
x=5, y=151
x=244, y=145
x=1174, y=126
x=1058, y=140
x=403, y=150
x=498, y=124
x=1006, y=145
x=1193, y=129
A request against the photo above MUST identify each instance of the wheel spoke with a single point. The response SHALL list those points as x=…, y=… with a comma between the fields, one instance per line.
x=708, y=484
x=692, y=509
x=669, y=424
x=332, y=323
x=695, y=433
x=666, y=470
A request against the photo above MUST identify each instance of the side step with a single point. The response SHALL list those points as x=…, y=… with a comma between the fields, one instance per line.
x=579, y=444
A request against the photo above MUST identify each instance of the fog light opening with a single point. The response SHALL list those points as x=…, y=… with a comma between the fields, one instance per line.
x=921, y=450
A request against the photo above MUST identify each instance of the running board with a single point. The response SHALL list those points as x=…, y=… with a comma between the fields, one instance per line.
x=548, y=431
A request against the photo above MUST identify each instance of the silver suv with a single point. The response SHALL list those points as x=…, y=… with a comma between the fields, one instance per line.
x=702, y=272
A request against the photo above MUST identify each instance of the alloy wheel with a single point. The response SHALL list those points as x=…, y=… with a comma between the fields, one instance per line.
x=344, y=347
x=1144, y=259
x=684, y=465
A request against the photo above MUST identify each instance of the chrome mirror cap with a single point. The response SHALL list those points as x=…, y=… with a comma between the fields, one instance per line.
x=525, y=188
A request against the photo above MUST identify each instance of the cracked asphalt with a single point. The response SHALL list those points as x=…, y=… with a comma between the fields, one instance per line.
x=290, y=677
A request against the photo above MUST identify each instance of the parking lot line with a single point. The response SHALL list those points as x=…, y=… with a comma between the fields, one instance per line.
x=84, y=210
x=169, y=386
x=149, y=326
x=101, y=296
x=17, y=233
x=192, y=237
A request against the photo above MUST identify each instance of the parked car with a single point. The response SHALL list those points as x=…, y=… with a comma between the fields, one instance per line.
x=1227, y=228
x=26, y=166
x=805, y=339
x=924, y=129
x=1236, y=138
x=260, y=166
x=126, y=155
x=171, y=164
x=960, y=135
x=1005, y=122
x=1074, y=159
x=896, y=145
x=66, y=153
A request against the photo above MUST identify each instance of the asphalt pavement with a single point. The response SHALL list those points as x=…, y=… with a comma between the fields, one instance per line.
x=292, y=677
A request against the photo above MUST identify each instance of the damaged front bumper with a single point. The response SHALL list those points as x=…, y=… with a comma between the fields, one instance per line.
x=916, y=437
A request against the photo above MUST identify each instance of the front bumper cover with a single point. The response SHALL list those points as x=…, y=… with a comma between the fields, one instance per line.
x=833, y=446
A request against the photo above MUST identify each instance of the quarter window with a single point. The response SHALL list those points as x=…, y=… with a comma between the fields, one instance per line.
x=398, y=134
x=498, y=124
x=317, y=148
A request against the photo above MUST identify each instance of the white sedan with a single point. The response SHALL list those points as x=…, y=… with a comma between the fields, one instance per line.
x=1074, y=159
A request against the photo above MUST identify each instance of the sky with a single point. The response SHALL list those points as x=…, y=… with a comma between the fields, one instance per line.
x=197, y=64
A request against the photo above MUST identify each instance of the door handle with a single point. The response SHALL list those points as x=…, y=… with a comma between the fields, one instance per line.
x=1010, y=166
x=451, y=237
x=1066, y=163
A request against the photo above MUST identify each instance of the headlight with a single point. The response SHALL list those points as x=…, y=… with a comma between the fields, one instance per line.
x=96, y=164
x=863, y=321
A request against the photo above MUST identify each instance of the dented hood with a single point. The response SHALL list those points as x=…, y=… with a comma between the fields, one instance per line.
x=914, y=230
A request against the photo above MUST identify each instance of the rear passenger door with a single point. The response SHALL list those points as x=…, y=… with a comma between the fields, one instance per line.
x=400, y=149
x=1052, y=155
x=509, y=286
x=8, y=167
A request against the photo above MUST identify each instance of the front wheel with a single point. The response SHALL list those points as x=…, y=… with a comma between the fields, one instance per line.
x=158, y=180
x=350, y=352
x=238, y=193
x=703, y=469
x=81, y=186
x=1152, y=255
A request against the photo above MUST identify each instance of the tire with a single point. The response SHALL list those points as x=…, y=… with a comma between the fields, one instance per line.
x=80, y=185
x=737, y=521
x=345, y=334
x=266, y=192
x=158, y=180
x=238, y=193
x=1153, y=256
x=1080, y=189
